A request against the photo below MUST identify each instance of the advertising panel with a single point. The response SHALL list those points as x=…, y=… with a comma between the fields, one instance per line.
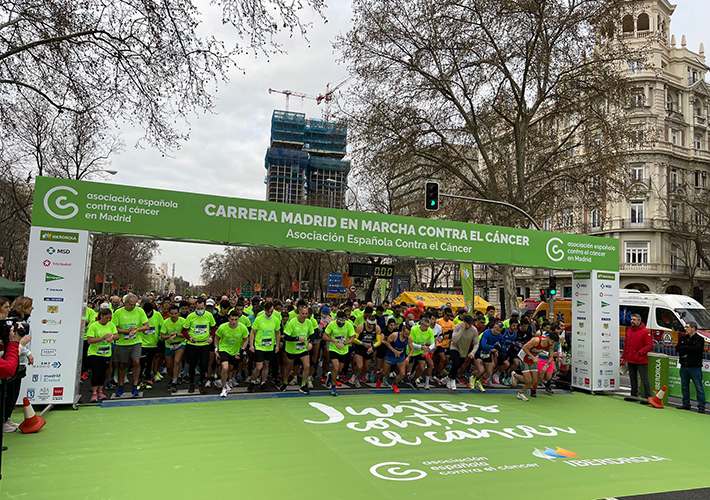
x=57, y=280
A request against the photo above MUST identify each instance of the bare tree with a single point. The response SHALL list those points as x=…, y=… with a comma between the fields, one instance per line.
x=511, y=100
x=143, y=61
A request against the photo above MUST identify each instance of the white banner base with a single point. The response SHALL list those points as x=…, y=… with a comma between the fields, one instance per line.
x=595, y=330
x=57, y=281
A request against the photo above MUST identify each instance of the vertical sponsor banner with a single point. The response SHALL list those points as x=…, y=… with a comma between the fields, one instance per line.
x=605, y=331
x=57, y=281
x=467, y=284
x=674, y=385
x=581, y=347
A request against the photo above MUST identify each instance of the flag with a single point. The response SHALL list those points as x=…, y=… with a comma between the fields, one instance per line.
x=467, y=284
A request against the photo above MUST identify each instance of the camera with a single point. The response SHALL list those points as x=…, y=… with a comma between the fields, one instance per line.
x=22, y=328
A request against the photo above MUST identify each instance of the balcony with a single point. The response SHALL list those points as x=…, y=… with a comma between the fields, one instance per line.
x=699, y=120
x=642, y=224
x=640, y=268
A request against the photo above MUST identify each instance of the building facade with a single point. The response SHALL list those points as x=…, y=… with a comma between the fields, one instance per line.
x=304, y=162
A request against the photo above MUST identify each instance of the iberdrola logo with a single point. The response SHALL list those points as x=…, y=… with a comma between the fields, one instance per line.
x=551, y=454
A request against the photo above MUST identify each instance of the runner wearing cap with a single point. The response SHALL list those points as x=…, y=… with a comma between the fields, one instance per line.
x=464, y=344
x=416, y=311
x=368, y=337
x=397, y=343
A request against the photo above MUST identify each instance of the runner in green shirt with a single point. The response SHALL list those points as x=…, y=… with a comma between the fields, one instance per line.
x=264, y=342
x=130, y=322
x=171, y=333
x=423, y=343
x=99, y=336
x=340, y=334
x=297, y=334
x=231, y=339
x=149, y=342
x=199, y=327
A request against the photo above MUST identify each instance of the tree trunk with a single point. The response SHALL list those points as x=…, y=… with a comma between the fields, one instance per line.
x=511, y=299
x=370, y=290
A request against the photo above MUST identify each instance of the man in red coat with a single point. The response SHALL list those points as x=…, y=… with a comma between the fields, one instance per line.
x=636, y=348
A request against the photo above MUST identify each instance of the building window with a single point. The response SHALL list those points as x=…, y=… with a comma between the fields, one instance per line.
x=674, y=257
x=637, y=213
x=636, y=252
x=546, y=224
x=567, y=220
x=637, y=172
x=638, y=99
x=698, y=142
x=675, y=214
x=635, y=67
x=643, y=22
x=674, y=136
x=701, y=179
x=674, y=180
x=596, y=219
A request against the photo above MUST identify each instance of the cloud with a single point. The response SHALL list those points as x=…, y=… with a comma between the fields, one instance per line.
x=225, y=153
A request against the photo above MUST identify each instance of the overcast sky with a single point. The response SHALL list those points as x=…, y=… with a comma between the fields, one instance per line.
x=225, y=154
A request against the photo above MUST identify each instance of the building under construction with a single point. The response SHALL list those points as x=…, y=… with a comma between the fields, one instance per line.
x=304, y=163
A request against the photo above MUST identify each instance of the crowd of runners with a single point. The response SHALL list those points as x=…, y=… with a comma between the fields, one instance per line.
x=220, y=343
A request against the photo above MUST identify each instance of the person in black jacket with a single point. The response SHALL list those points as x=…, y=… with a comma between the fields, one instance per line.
x=690, y=352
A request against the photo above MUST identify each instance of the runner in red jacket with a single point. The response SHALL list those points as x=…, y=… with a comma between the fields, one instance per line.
x=637, y=345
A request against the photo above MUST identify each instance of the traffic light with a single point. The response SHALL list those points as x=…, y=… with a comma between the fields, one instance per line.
x=432, y=196
x=543, y=294
x=553, y=286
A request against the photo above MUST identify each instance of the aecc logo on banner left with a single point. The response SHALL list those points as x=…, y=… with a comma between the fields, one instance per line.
x=60, y=203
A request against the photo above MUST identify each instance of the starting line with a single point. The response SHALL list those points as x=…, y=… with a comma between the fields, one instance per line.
x=362, y=445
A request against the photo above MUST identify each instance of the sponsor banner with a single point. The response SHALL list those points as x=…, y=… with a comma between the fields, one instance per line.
x=605, y=331
x=99, y=207
x=57, y=278
x=595, y=331
x=674, y=386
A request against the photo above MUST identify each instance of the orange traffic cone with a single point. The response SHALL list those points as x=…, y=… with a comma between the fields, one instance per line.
x=657, y=400
x=33, y=422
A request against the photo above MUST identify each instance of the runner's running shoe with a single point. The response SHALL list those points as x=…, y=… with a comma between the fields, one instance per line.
x=395, y=388
x=135, y=392
x=479, y=386
x=223, y=394
x=333, y=392
x=120, y=392
x=522, y=397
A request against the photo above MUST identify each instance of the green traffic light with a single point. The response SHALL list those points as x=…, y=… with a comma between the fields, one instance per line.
x=433, y=202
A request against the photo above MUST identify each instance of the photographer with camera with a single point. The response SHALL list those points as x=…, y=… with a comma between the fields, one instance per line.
x=19, y=314
x=10, y=345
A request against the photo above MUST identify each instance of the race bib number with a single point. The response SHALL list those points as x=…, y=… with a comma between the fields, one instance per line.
x=104, y=350
x=129, y=336
x=266, y=342
x=151, y=331
x=340, y=339
x=175, y=346
x=300, y=346
x=485, y=355
x=200, y=329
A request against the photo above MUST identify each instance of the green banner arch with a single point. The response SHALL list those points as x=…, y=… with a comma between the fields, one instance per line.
x=162, y=214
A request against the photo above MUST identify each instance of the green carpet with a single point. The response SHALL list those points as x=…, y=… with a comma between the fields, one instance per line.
x=264, y=448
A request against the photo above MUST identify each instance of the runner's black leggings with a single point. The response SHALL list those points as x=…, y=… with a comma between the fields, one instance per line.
x=197, y=355
x=147, y=361
x=456, y=362
x=98, y=365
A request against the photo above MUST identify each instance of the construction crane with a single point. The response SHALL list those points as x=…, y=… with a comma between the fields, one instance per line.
x=290, y=93
x=326, y=97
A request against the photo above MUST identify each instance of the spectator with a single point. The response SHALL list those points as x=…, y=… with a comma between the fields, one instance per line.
x=690, y=352
x=9, y=361
x=636, y=348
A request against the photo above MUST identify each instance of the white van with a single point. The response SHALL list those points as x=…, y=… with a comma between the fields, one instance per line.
x=664, y=315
